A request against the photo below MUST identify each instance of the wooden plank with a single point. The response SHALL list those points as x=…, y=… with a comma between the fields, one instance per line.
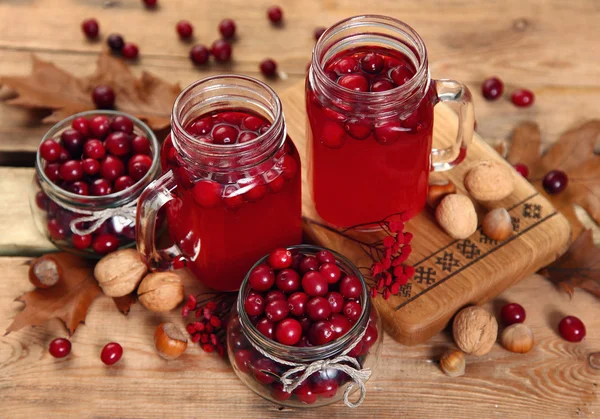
x=554, y=380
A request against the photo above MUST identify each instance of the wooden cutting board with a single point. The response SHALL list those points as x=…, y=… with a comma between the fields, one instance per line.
x=450, y=274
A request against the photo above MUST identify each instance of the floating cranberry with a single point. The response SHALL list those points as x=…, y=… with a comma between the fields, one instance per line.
x=50, y=150
x=105, y=243
x=103, y=97
x=401, y=74
x=492, y=88
x=275, y=295
x=207, y=193
x=184, y=29
x=572, y=329
x=318, y=308
x=289, y=167
x=297, y=303
x=227, y=28
x=71, y=171
x=266, y=327
x=555, y=181
x=382, y=86
x=81, y=242
x=221, y=50
x=358, y=129
x=371, y=63
x=111, y=168
x=90, y=28
x=318, y=32
x=336, y=301
x=99, y=126
x=264, y=370
x=79, y=187
x=199, y=54
x=100, y=187
x=512, y=313
x=288, y=332
x=256, y=193
x=314, y=284
x=254, y=305
x=321, y=332
x=522, y=98
x=201, y=126
x=275, y=14
x=94, y=149
x=347, y=65
x=277, y=310
x=305, y=394
x=59, y=348
x=352, y=310
x=130, y=51
x=115, y=42
x=138, y=166
x=333, y=135
x=389, y=132
x=72, y=141
x=522, y=169
x=224, y=134
x=111, y=353
x=356, y=82
x=122, y=183
x=56, y=230
x=280, y=258
x=268, y=67
x=90, y=166
x=243, y=358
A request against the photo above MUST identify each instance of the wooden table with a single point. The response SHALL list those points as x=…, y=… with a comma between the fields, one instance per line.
x=549, y=46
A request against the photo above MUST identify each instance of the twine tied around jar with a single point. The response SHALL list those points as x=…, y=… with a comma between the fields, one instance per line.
x=358, y=375
x=97, y=218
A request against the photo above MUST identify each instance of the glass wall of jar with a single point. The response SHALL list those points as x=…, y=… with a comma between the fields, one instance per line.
x=346, y=330
x=369, y=101
x=232, y=186
x=90, y=170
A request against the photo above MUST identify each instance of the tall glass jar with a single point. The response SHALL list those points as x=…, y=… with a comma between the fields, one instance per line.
x=264, y=364
x=369, y=100
x=228, y=200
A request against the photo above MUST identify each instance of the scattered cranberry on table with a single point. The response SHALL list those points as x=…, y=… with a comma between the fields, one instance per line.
x=111, y=353
x=522, y=98
x=572, y=329
x=221, y=50
x=115, y=42
x=59, y=348
x=150, y=3
x=130, y=51
x=318, y=32
x=184, y=29
x=199, y=54
x=90, y=28
x=103, y=97
x=275, y=14
x=522, y=169
x=492, y=88
x=512, y=313
x=268, y=67
x=227, y=28
x=555, y=181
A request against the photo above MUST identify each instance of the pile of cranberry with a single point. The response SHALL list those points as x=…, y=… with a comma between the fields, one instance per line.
x=95, y=157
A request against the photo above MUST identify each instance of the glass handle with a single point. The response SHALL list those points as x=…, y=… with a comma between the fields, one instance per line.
x=154, y=197
x=453, y=91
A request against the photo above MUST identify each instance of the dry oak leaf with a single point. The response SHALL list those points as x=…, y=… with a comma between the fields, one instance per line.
x=125, y=302
x=50, y=87
x=68, y=300
x=579, y=267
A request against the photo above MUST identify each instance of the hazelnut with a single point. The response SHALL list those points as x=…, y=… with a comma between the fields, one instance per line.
x=453, y=363
x=120, y=272
x=517, y=338
x=489, y=181
x=161, y=291
x=44, y=272
x=439, y=190
x=475, y=330
x=456, y=214
x=497, y=224
x=169, y=341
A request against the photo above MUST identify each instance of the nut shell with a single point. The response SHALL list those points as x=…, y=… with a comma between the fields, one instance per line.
x=120, y=272
x=437, y=191
x=517, y=338
x=169, y=341
x=497, y=224
x=489, y=181
x=160, y=291
x=475, y=330
x=453, y=363
x=456, y=215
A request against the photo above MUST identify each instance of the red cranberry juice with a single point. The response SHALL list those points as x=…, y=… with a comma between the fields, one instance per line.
x=224, y=226
x=362, y=171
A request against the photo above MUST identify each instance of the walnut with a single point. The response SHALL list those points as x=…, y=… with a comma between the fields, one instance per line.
x=475, y=330
x=161, y=291
x=120, y=272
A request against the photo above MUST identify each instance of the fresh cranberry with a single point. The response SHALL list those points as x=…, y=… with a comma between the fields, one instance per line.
x=50, y=150
x=372, y=63
x=288, y=280
x=122, y=183
x=225, y=134
x=261, y=278
x=492, y=88
x=314, y=284
x=336, y=301
x=41, y=200
x=280, y=258
x=122, y=123
x=572, y=329
x=115, y=42
x=150, y=3
x=99, y=126
x=333, y=135
x=382, y=86
x=105, y=243
x=81, y=242
x=369, y=339
x=141, y=145
x=199, y=54
x=309, y=263
x=297, y=303
x=278, y=393
x=347, y=65
x=90, y=28
x=275, y=295
x=277, y=184
x=227, y=28
x=207, y=193
x=111, y=353
x=232, y=118
x=325, y=388
x=79, y=187
x=401, y=75
x=340, y=324
x=94, y=149
x=71, y=171
x=268, y=67
x=184, y=29
x=52, y=172
x=103, y=97
x=331, y=272
x=90, y=166
x=352, y=310
x=130, y=51
x=264, y=370
x=325, y=256
x=351, y=287
x=318, y=308
x=275, y=14
x=254, y=305
x=277, y=310
x=201, y=126
x=64, y=155
x=100, y=187
x=266, y=327
x=522, y=98
x=555, y=181
x=243, y=358
x=59, y=348
x=56, y=230
x=253, y=123
x=318, y=32
x=221, y=50
x=356, y=82
x=305, y=394
x=111, y=168
x=72, y=141
x=288, y=332
x=138, y=166
x=321, y=332
x=82, y=125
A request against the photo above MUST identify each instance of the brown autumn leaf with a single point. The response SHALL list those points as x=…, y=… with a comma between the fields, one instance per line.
x=124, y=303
x=579, y=267
x=50, y=87
x=68, y=300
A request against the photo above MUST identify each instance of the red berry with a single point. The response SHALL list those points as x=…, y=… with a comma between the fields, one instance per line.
x=325, y=256
x=261, y=278
x=221, y=50
x=522, y=98
x=571, y=329
x=382, y=86
x=94, y=149
x=138, y=166
x=309, y=263
x=227, y=28
x=130, y=51
x=522, y=169
x=289, y=167
x=52, y=171
x=264, y=370
x=90, y=166
x=254, y=304
x=225, y=134
x=50, y=150
x=305, y=394
x=352, y=310
x=288, y=280
x=275, y=14
x=243, y=358
x=79, y=187
x=356, y=82
x=266, y=327
x=401, y=75
x=202, y=126
x=297, y=303
x=81, y=125
x=280, y=259
x=71, y=171
x=207, y=193
x=100, y=187
x=141, y=145
x=371, y=63
x=90, y=28
x=105, y=243
x=512, y=313
x=122, y=123
x=370, y=337
x=81, y=242
x=72, y=141
x=555, y=181
x=111, y=168
x=492, y=88
x=389, y=132
x=336, y=301
x=318, y=32
x=122, y=183
x=333, y=134
x=199, y=54
x=111, y=353
x=275, y=295
x=321, y=333
x=347, y=65
x=340, y=324
x=351, y=287
x=288, y=332
x=331, y=272
x=325, y=388
x=99, y=126
x=277, y=310
x=115, y=42
x=314, y=284
x=268, y=67
x=150, y=3
x=103, y=97
x=318, y=308
x=358, y=129
x=184, y=29
x=59, y=348
x=56, y=230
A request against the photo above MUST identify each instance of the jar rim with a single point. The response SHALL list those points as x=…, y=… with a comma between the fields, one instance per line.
x=112, y=197
x=311, y=353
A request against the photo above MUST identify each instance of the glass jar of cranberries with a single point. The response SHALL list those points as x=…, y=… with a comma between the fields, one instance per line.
x=369, y=101
x=90, y=170
x=297, y=307
x=232, y=187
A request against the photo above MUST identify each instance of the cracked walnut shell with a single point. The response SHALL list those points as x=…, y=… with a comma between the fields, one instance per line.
x=475, y=330
x=161, y=291
x=120, y=272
